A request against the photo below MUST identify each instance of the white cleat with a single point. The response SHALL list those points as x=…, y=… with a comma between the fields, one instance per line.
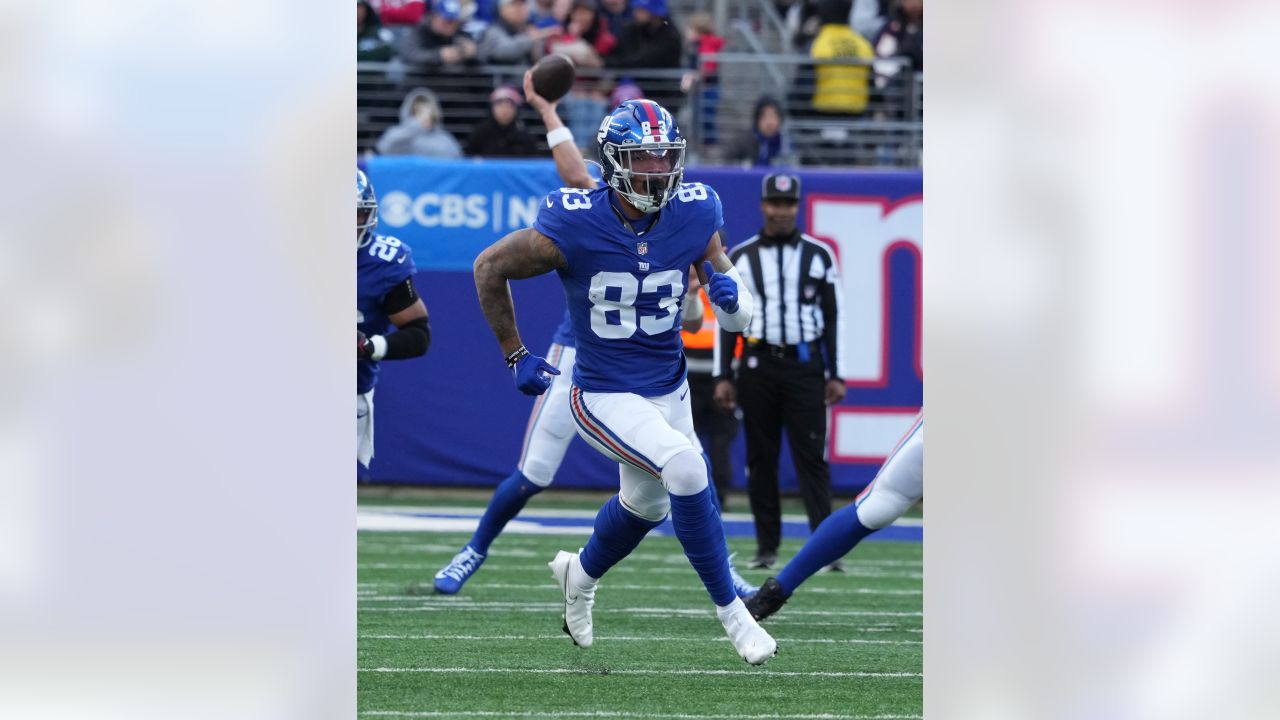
x=579, y=596
x=752, y=642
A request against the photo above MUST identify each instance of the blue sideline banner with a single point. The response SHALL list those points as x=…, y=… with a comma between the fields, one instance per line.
x=454, y=417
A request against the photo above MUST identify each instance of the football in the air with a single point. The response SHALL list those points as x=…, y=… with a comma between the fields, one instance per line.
x=553, y=76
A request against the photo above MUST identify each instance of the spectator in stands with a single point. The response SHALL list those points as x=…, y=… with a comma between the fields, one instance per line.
x=400, y=13
x=374, y=43
x=617, y=13
x=486, y=11
x=869, y=16
x=548, y=13
x=586, y=38
x=903, y=36
x=767, y=143
x=802, y=22
x=649, y=40
x=419, y=131
x=703, y=41
x=839, y=88
x=502, y=134
x=587, y=41
x=511, y=39
x=437, y=41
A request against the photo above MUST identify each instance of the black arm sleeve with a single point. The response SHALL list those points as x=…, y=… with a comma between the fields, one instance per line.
x=400, y=297
x=830, y=317
x=728, y=343
x=410, y=340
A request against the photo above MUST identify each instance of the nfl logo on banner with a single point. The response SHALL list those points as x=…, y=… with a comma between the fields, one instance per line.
x=642, y=248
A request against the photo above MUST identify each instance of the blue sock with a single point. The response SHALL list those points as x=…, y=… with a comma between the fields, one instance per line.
x=698, y=527
x=508, y=500
x=715, y=495
x=833, y=539
x=617, y=533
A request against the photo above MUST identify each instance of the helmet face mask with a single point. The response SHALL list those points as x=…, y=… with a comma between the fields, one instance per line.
x=642, y=154
x=366, y=210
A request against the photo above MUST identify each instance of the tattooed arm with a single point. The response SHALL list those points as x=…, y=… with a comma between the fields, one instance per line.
x=730, y=298
x=521, y=254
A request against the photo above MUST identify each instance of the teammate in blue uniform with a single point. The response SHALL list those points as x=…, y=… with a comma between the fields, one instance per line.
x=898, y=486
x=385, y=296
x=550, y=428
x=623, y=253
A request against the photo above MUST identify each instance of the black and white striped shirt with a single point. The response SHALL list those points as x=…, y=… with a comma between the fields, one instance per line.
x=796, y=285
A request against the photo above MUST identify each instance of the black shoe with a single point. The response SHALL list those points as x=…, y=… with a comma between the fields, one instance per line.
x=767, y=601
x=762, y=561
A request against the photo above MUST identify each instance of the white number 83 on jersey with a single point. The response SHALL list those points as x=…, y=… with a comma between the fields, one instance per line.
x=624, y=305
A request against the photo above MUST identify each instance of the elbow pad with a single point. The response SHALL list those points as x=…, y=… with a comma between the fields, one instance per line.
x=738, y=320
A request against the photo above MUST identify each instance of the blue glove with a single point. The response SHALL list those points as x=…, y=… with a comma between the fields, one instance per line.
x=533, y=374
x=721, y=289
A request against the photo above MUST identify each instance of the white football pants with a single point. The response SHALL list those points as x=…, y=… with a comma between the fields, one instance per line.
x=550, y=428
x=643, y=434
x=898, y=485
x=364, y=428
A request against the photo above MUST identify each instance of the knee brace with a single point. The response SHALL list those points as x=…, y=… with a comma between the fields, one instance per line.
x=648, y=501
x=539, y=471
x=685, y=474
x=882, y=506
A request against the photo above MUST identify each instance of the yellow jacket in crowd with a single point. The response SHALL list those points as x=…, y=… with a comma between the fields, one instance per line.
x=840, y=88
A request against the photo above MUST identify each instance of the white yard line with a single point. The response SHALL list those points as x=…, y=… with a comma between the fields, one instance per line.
x=617, y=714
x=372, y=541
x=686, y=570
x=626, y=638
x=460, y=606
x=476, y=512
x=400, y=548
x=623, y=586
x=642, y=671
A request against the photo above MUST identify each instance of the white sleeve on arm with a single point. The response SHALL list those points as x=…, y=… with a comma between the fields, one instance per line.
x=738, y=320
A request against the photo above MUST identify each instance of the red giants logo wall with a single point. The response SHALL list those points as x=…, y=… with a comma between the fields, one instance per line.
x=879, y=243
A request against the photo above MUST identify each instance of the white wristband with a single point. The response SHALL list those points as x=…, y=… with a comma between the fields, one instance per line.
x=559, y=135
x=379, y=347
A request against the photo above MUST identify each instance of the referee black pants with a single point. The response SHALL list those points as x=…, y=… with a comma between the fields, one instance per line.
x=777, y=392
x=717, y=428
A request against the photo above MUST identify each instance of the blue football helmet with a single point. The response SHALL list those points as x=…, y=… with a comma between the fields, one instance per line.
x=366, y=210
x=642, y=154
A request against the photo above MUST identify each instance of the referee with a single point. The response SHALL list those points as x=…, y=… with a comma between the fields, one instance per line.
x=790, y=369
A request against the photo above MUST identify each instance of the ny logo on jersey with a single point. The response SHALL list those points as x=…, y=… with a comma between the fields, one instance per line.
x=644, y=267
x=642, y=248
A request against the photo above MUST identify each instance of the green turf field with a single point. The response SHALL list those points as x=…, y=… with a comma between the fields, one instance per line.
x=849, y=645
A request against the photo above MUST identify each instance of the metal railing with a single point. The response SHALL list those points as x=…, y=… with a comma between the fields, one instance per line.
x=464, y=96
x=887, y=133
x=760, y=15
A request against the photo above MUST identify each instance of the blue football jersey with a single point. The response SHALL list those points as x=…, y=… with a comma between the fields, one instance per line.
x=380, y=266
x=564, y=333
x=625, y=289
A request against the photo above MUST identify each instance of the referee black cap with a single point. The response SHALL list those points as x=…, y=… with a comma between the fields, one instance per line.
x=780, y=186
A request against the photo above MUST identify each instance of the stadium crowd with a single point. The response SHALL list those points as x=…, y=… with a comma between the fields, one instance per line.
x=661, y=49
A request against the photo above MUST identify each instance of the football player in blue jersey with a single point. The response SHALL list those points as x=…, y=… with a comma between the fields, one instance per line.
x=550, y=428
x=385, y=296
x=623, y=253
x=898, y=486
